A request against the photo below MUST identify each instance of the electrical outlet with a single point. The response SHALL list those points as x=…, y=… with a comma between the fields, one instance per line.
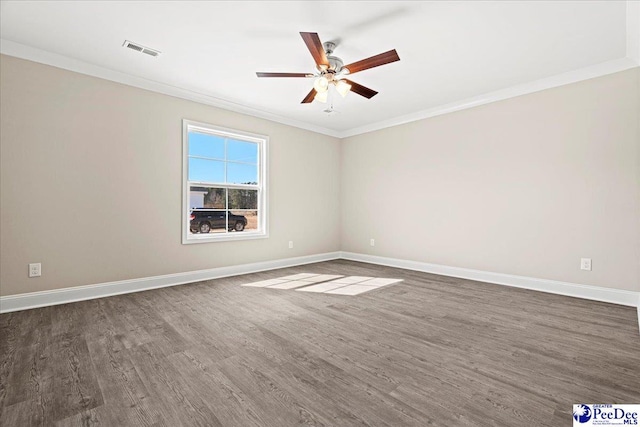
x=372, y=242
x=290, y=244
x=35, y=270
x=585, y=264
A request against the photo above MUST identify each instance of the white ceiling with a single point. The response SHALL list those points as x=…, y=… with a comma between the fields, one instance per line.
x=452, y=53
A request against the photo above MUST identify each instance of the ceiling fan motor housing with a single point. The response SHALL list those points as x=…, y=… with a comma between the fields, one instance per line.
x=335, y=64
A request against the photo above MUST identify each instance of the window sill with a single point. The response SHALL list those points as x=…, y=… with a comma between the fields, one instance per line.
x=227, y=237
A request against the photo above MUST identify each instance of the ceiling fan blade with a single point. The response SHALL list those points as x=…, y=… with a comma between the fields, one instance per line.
x=259, y=74
x=374, y=61
x=361, y=90
x=309, y=98
x=315, y=47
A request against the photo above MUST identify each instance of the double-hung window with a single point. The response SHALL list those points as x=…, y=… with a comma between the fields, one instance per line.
x=224, y=184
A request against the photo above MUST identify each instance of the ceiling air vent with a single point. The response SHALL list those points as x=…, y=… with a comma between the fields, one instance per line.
x=139, y=48
x=150, y=52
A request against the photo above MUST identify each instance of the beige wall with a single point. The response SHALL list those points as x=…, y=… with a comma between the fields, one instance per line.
x=91, y=183
x=525, y=186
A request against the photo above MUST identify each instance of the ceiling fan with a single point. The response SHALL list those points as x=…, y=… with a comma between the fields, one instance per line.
x=332, y=71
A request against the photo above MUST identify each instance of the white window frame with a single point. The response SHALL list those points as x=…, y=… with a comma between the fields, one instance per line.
x=263, y=150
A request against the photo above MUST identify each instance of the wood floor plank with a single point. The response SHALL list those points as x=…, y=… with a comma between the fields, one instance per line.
x=8, y=348
x=29, y=379
x=231, y=405
x=178, y=402
x=29, y=388
x=430, y=350
x=120, y=383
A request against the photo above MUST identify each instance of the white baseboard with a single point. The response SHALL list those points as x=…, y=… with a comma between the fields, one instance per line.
x=63, y=296
x=80, y=293
x=615, y=296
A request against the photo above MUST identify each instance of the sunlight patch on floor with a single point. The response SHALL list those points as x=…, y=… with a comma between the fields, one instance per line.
x=325, y=283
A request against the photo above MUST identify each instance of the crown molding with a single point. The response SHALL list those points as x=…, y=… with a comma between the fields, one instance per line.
x=574, y=76
x=18, y=50
x=11, y=48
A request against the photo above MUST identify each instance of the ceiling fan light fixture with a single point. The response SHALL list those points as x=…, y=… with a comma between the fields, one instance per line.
x=321, y=84
x=331, y=70
x=343, y=88
x=321, y=97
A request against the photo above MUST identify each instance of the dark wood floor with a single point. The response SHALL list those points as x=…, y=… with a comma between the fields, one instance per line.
x=431, y=350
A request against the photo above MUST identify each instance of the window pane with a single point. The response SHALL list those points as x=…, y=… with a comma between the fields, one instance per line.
x=207, y=198
x=240, y=173
x=202, y=170
x=243, y=199
x=207, y=208
x=242, y=151
x=204, y=145
x=251, y=218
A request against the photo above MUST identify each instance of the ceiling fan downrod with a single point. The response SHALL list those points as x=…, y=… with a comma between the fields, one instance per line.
x=335, y=63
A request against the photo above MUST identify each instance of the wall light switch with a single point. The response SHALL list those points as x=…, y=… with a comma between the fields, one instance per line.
x=372, y=242
x=585, y=264
x=290, y=244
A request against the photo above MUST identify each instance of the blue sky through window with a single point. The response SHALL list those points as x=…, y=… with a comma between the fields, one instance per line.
x=214, y=147
x=241, y=151
x=203, y=145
